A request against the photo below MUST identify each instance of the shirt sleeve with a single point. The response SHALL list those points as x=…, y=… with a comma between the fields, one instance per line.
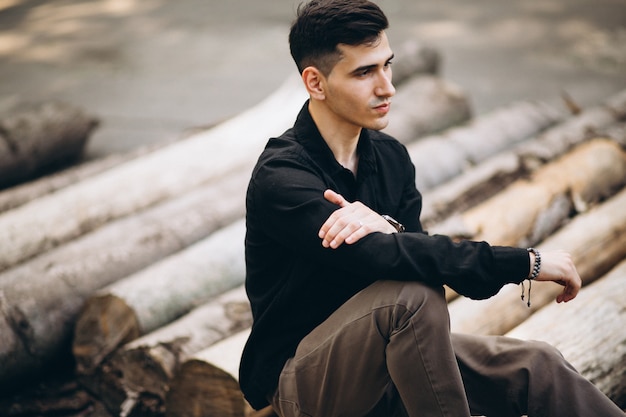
x=289, y=203
x=410, y=207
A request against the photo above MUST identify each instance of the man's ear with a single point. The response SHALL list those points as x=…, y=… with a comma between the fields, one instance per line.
x=314, y=82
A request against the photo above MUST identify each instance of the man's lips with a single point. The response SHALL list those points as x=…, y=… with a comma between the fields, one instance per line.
x=383, y=108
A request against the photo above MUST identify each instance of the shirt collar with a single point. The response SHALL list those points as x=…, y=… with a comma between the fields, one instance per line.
x=308, y=135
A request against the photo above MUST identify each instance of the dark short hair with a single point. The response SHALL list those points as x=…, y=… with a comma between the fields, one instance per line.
x=321, y=25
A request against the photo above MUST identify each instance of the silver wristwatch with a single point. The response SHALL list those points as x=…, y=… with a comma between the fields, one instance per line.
x=396, y=224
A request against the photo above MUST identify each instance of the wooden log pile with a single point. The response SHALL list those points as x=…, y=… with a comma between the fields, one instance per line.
x=129, y=273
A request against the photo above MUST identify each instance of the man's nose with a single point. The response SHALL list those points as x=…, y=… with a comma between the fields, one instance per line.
x=385, y=87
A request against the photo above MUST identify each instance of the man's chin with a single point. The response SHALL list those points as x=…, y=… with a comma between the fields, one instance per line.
x=380, y=124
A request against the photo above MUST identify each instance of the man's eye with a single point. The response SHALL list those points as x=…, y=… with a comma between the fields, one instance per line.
x=388, y=64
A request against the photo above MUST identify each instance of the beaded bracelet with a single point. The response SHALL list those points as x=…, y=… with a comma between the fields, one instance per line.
x=537, y=265
x=534, y=273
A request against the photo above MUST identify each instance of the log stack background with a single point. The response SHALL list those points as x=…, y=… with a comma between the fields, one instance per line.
x=121, y=279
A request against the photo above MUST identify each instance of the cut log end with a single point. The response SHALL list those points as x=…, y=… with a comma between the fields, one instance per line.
x=105, y=323
x=202, y=389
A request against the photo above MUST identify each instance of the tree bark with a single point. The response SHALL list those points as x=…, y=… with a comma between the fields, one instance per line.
x=144, y=367
x=426, y=104
x=21, y=194
x=38, y=136
x=41, y=298
x=589, y=332
x=207, y=384
x=529, y=210
x=488, y=177
x=441, y=157
x=593, y=122
x=158, y=295
x=596, y=240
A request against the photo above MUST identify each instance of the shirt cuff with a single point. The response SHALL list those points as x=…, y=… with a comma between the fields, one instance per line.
x=512, y=264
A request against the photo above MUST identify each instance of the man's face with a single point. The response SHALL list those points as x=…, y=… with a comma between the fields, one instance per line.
x=358, y=89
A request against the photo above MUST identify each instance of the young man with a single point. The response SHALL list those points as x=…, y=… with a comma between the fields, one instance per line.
x=350, y=317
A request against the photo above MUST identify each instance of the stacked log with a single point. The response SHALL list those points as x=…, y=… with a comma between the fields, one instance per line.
x=38, y=136
x=158, y=295
x=143, y=368
x=412, y=57
x=441, y=157
x=528, y=210
x=426, y=104
x=491, y=175
x=21, y=194
x=41, y=298
x=209, y=382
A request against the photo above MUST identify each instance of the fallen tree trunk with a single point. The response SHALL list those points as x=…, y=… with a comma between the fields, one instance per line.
x=441, y=157
x=207, y=384
x=41, y=298
x=491, y=175
x=158, y=295
x=38, y=136
x=144, y=367
x=426, y=104
x=589, y=332
x=592, y=121
x=528, y=210
x=21, y=194
x=596, y=240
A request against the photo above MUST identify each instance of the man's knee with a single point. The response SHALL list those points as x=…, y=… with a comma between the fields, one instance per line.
x=410, y=293
x=543, y=356
x=401, y=302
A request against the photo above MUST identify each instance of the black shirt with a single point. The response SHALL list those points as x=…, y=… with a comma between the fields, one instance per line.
x=294, y=283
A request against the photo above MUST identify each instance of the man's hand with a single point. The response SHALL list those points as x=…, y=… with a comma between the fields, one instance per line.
x=557, y=266
x=350, y=222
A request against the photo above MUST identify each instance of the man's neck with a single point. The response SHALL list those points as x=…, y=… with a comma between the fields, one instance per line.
x=341, y=138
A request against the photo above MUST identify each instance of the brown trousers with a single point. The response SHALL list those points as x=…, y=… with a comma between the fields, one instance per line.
x=388, y=351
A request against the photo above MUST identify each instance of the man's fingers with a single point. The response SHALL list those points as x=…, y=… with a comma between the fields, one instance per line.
x=351, y=233
x=342, y=232
x=325, y=231
x=569, y=293
x=335, y=198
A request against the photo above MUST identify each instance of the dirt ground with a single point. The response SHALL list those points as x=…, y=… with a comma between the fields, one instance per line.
x=152, y=69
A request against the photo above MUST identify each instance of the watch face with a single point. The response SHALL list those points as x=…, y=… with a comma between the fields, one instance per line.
x=397, y=225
